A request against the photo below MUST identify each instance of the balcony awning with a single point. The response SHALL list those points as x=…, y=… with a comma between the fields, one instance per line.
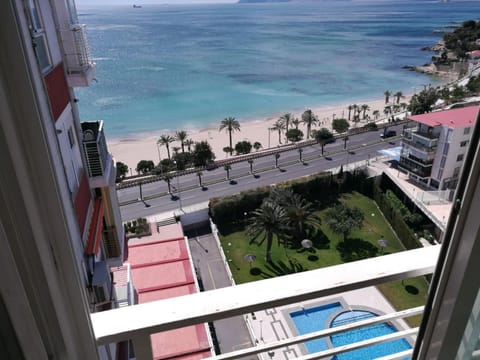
x=95, y=230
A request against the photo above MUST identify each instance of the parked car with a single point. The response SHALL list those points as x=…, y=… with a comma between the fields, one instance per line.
x=388, y=134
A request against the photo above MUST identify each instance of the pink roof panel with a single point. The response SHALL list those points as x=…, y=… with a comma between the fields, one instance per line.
x=454, y=118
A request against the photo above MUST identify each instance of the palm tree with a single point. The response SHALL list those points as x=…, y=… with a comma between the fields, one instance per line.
x=231, y=125
x=342, y=219
x=323, y=136
x=296, y=122
x=250, y=162
x=398, y=95
x=189, y=143
x=268, y=220
x=277, y=156
x=199, y=174
x=227, y=150
x=227, y=168
x=168, y=177
x=182, y=137
x=350, y=108
x=257, y=146
x=166, y=140
x=279, y=126
x=376, y=114
x=309, y=119
x=364, y=108
x=286, y=119
x=301, y=214
x=387, y=94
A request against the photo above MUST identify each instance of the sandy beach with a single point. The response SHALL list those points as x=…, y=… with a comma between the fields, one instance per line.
x=144, y=147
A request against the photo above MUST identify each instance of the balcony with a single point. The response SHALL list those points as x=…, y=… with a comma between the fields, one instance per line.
x=99, y=161
x=416, y=166
x=79, y=66
x=424, y=141
x=138, y=323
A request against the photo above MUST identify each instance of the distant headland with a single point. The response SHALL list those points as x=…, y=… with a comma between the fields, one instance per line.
x=261, y=1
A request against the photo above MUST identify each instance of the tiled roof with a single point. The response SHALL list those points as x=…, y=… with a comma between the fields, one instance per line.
x=161, y=268
x=453, y=118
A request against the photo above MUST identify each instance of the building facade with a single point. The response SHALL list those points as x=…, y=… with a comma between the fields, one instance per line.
x=44, y=56
x=434, y=149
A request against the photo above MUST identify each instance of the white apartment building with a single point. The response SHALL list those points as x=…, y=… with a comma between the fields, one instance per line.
x=60, y=228
x=433, y=151
x=69, y=216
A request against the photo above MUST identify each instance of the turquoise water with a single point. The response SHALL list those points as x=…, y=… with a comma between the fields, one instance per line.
x=315, y=319
x=176, y=67
x=368, y=332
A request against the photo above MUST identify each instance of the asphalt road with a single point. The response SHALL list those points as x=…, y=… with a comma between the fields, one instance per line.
x=157, y=200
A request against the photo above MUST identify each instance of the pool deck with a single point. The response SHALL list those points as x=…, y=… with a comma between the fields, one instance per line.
x=274, y=324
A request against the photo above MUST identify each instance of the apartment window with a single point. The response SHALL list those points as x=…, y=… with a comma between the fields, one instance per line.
x=456, y=172
x=71, y=137
x=466, y=131
x=463, y=143
x=39, y=40
x=460, y=157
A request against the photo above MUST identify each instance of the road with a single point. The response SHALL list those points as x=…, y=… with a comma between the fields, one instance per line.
x=157, y=200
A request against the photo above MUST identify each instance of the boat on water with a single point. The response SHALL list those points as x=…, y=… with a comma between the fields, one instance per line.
x=137, y=6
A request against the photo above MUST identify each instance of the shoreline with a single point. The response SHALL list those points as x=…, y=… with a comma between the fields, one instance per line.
x=142, y=146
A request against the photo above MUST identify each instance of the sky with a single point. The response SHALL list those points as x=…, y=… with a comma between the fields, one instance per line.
x=144, y=2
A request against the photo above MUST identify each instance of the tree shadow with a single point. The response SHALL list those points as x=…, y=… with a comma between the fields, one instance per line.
x=412, y=289
x=255, y=271
x=312, y=257
x=356, y=249
x=281, y=268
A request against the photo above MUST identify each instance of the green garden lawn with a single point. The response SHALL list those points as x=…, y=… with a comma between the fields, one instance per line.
x=247, y=261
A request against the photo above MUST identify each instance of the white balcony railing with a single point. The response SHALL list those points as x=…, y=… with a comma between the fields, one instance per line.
x=78, y=61
x=140, y=321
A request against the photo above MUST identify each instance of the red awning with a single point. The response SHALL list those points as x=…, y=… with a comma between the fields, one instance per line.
x=95, y=230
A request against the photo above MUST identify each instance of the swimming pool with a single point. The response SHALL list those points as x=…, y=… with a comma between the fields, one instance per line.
x=317, y=318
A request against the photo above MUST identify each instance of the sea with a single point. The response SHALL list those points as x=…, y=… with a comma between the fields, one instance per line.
x=162, y=68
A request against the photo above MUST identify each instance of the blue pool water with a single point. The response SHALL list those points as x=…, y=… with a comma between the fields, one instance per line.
x=371, y=352
x=315, y=319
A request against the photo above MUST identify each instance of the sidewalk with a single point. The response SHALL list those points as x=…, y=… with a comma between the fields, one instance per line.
x=232, y=333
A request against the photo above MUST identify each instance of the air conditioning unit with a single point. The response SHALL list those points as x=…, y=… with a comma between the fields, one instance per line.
x=101, y=283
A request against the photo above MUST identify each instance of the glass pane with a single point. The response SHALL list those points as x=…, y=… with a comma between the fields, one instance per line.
x=35, y=16
x=41, y=51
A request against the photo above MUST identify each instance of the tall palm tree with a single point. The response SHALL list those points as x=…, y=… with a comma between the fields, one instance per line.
x=296, y=122
x=199, y=174
x=166, y=140
x=300, y=215
x=376, y=114
x=168, y=178
x=398, y=95
x=286, y=119
x=182, y=137
x=387, y=94
x=227, y=168
x=278, y=126
x=189, y=143
x=323, y=136
x=350, y=108
x=309, y=119
x=267, y=221
x=250, y=162
x=364, y=108
x=231, y=125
